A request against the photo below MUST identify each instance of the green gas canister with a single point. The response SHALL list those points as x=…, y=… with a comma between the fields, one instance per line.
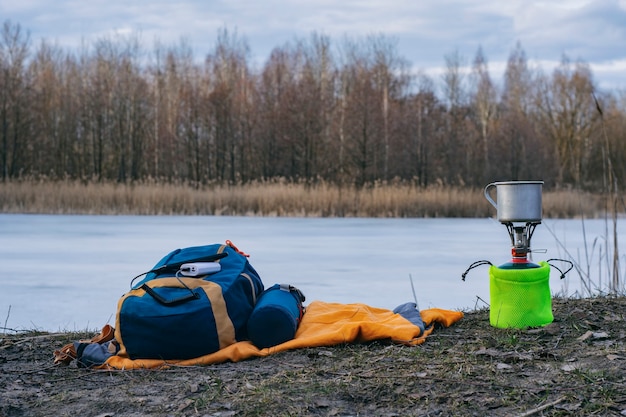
x=520, y=295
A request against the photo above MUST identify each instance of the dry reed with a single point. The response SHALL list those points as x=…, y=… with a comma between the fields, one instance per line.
x=271, y=198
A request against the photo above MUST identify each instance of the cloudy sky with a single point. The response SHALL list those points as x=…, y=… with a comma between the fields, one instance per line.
x=425, y=31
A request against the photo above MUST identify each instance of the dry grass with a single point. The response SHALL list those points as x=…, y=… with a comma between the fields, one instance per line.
x=571, y=204
x=271, y=198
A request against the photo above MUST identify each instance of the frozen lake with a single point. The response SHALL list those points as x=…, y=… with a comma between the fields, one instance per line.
x=68, y=272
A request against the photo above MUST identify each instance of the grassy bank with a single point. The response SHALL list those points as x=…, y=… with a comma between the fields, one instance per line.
x=273, y=198
x=574, y=366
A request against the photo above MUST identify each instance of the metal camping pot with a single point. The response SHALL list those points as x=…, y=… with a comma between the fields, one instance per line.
x=517, y=201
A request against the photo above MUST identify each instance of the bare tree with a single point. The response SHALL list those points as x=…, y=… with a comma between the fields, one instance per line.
x=519, y=151
x=425, y=120
x=392, y=81
x=50, y=155
x=229, y=99
x=317, y=85
x=484, y=105
x=362, y=115
x=273, y=83
x=14, y=99
x=566, y=111
x=455, y=150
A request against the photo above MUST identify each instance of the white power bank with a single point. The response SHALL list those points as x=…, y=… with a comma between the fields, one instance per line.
x=200, y=268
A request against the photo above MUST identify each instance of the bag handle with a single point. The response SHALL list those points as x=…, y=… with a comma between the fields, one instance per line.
x=474, y=265
x=297, y=294
x=571, y=265
x=172, y=301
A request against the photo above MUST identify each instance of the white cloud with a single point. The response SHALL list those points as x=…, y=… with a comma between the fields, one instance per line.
x=610, y=74
x=592, y=30
x=581, y=29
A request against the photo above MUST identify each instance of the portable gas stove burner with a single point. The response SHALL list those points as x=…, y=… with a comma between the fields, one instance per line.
x=520, y=241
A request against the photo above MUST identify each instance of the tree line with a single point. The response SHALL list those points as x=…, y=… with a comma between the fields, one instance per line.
x=352, y=112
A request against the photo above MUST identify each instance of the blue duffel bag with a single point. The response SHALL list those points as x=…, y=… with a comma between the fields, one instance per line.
x=179, y=311
x=276, y=317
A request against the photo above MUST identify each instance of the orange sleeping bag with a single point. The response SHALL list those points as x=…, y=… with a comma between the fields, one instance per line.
x=324, y=324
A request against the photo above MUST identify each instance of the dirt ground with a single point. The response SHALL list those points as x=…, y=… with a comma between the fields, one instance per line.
x=575, y=366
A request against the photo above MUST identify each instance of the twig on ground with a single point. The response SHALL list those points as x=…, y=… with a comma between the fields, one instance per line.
x=477, y=300
x=7, y=319
x=542, y=407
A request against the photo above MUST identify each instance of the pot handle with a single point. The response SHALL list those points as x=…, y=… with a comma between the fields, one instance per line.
x=488, y=197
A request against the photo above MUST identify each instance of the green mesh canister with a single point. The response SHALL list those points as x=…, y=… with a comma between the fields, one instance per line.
x=520, y=297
